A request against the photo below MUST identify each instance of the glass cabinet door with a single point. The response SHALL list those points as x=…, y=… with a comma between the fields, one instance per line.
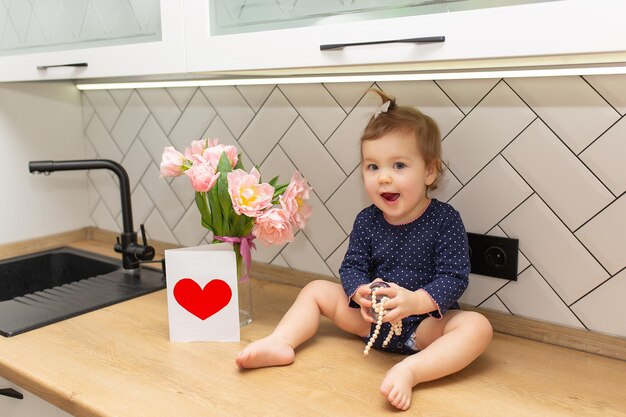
x=47, y=25
x=246, y=35
x=67, y=39
x=241, y=16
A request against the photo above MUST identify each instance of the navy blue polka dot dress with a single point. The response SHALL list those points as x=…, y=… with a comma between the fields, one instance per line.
x=430, y=253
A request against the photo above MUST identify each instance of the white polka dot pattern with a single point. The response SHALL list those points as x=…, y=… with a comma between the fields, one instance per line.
x=430, y=253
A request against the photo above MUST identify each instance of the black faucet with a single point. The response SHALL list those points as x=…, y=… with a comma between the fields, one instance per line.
x=132, y=252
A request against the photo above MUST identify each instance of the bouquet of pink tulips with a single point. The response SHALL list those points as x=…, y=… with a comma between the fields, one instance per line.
x=234, y=204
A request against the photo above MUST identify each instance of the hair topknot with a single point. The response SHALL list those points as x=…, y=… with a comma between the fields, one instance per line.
x=409, y=120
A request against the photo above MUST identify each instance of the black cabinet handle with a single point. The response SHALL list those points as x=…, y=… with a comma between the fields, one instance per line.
x=76, y=65
x=427, y=39
x=10, y=392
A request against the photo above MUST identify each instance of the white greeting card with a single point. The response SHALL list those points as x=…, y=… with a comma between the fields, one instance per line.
x=202, y=299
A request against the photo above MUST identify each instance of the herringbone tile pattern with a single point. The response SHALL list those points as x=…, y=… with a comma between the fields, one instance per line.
x=539, y=159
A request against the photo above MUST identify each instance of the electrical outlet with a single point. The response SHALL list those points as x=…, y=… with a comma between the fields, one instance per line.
x=493, y=256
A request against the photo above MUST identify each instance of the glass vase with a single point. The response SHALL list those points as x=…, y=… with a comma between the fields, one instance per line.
x=244, y=290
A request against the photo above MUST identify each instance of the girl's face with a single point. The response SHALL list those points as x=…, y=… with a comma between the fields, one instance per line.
x=396, y=176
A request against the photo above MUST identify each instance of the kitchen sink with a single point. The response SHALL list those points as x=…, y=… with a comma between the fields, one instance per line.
x=54, y=285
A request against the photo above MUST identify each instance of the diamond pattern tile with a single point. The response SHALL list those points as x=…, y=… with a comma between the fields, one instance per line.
x=531, y=159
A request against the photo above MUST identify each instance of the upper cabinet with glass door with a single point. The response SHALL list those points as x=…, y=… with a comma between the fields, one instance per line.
x=56, y=39
x=240, y=35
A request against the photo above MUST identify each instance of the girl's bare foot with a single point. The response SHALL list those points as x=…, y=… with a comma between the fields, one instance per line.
x=397, y=386
x=265, y=352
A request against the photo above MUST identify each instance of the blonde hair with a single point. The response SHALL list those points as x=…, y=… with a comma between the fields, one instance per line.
x=411, y=121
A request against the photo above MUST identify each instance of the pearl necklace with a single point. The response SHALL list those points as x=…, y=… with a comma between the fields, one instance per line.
x=379, y=309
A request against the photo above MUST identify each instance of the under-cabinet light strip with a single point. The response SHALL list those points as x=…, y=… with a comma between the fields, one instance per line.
x=500, y=73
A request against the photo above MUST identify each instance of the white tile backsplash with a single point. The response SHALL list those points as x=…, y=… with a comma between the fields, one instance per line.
x=349, y=199
x=490, y=196
x=557, y=175
x=531, y=296
x=348, y=94
x=182, y=96
x=605, y=236
x=301, y=254
x=318, y=109
x=511, y=173
x=605, y=157
x=344, y=144
x=603, y=309
x=268, y=126
x=574, y=111
x=162, y=106
x=193, y=122
x=466, y=94
x=312, y=159
x=612, y=89
x=100, y=138
x=133, y=116
x=104, y=105
x=230, y=106
x=255, y=95
x=485, y=131
x=552, y=249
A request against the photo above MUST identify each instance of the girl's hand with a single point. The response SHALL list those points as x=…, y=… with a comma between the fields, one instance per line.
x=362, y=297
x=402, y=302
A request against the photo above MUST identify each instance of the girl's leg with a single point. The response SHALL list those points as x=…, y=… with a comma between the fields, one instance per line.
x=301, y=322
x=446, y=346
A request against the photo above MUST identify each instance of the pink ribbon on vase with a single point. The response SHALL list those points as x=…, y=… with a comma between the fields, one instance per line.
x=246, y=245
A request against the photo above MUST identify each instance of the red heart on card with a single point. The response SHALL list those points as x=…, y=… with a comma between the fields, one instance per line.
x=202, y=302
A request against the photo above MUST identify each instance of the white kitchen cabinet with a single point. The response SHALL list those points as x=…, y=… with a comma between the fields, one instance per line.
x=546, y=29
x=29, y=406
x=134, y=57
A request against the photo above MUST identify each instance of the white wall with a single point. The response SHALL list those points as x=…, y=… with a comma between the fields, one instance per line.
x=40, y=121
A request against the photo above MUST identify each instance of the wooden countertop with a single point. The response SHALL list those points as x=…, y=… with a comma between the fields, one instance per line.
x=118, y=361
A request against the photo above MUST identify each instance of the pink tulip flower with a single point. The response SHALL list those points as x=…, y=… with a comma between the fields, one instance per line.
x=293, y=198
x=273, y=227
x=203, y=176
x=214, y=153
x=172, y=163
x=248, y=196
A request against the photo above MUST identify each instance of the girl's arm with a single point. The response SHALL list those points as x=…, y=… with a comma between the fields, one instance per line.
x=356, y=265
